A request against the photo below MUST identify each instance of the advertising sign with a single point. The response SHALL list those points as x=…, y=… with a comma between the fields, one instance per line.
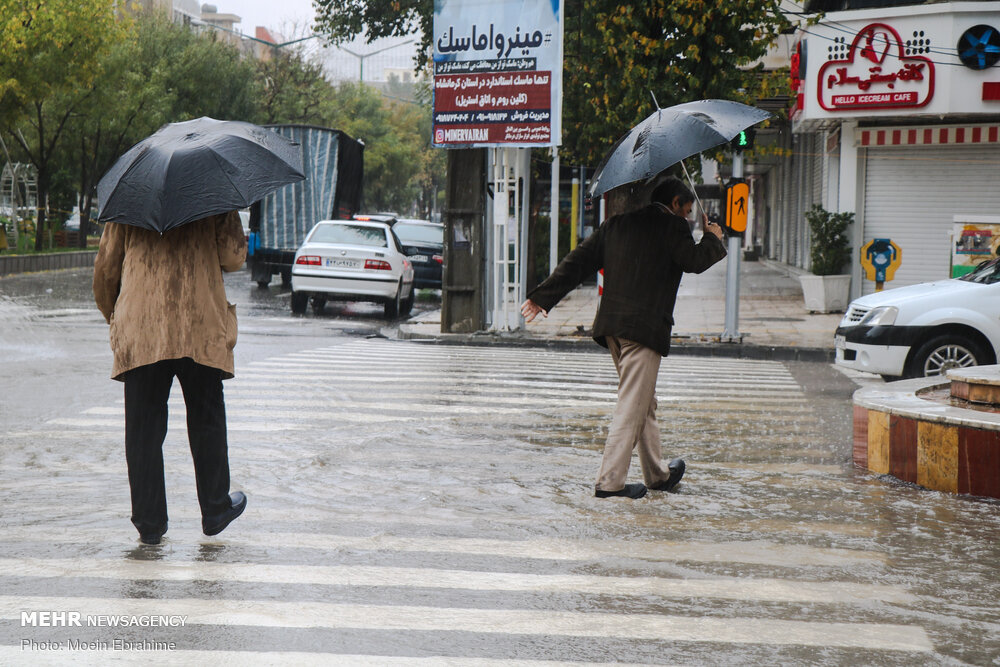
x=974, y=243
x=876, y=73
x=497, y=73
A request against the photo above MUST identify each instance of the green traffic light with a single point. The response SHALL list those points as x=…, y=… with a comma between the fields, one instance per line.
x=743, y=141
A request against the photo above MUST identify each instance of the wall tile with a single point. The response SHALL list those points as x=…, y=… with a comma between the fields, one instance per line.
x=979, y=462
x=878, y=442
x=860, y=436
x=903, y=448
x=937, y=456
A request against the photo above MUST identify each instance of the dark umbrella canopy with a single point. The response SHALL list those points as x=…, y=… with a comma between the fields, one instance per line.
x=190, y=170
x=668, y=136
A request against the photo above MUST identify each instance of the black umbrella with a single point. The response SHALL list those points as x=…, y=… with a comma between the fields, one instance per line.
x=668, y=136
x=190, y=170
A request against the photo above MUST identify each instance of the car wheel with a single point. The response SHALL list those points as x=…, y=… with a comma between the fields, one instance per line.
x=318, y=303
x=393, y=306
x=407, y=305
x=299, y=302
x=938, y=355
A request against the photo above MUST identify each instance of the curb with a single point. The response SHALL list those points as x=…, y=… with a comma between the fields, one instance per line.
x=50, y=262
x=587, y=344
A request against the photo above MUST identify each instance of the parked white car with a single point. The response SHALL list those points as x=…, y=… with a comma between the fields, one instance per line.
x=352, y=260
x=926, y=329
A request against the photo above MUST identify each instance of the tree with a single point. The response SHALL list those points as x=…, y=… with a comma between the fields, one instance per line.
x=50, y=54
x=680, y=50
x=293, y=90
x=392, y=144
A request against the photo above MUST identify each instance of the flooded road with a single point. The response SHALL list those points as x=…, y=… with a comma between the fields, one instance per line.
x=429, y=504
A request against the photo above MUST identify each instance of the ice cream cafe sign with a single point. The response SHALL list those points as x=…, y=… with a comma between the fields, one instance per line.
x=876, y=74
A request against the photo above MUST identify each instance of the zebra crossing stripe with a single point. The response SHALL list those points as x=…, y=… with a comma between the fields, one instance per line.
x=726, y=588
x=233, y=426
x=755, y=552
x=10, y=655
x=404, y=618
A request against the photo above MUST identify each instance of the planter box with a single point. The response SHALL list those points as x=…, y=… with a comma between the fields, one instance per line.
x=826, y=294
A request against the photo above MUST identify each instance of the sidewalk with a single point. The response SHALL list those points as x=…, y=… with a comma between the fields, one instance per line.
x=773, y=320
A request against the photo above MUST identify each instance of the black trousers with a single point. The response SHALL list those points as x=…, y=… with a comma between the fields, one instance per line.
x=146, y=391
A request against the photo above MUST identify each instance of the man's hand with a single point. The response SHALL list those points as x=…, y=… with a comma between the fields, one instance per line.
x=530, y=309
x=713, y=228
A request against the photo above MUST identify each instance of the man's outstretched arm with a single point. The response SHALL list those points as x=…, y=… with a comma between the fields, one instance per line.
x=574, y=268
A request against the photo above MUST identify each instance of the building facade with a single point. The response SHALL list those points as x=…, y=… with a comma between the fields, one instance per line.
x=896, y=118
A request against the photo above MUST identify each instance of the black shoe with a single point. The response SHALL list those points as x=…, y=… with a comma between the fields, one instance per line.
x=630, y=491
x=150, y=538
x=238, y=503
x=676, y=468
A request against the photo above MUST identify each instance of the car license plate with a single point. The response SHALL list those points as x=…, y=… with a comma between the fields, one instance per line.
x=342, y=263
x=840, y=342
x=418, y=258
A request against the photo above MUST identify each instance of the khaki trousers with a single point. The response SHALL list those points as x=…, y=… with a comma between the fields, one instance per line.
x=634, y=420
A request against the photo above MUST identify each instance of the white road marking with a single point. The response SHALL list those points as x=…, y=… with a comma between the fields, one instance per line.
x=727, y=588
x=651, y=627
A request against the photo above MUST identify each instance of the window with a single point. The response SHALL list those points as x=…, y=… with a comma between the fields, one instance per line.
x=419, y=234
x=350, y=235
x=986, y=273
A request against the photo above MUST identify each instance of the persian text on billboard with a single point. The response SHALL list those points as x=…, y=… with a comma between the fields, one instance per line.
x=497, y=73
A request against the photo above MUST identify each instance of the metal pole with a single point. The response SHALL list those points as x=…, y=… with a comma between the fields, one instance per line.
x=573, y=213
x=554, y=212
x=731, y=333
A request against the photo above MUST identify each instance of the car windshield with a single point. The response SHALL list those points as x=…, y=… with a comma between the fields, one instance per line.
x=986, y=273
x=350, y=235
x=419, y=234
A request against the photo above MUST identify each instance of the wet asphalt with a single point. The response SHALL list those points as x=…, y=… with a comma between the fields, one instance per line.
x=414, y=503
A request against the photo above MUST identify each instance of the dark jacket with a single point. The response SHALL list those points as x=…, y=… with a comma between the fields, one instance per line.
x=643, y=254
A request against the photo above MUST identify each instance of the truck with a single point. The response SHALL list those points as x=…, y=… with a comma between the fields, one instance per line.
x=334, y=166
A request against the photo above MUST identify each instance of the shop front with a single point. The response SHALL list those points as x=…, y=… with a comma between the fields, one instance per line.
x=900, y=110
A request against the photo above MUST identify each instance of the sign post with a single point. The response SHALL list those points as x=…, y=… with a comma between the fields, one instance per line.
x=737, y=200
x=498, y=85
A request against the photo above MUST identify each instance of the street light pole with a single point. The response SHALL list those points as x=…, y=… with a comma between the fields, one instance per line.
x=361, y=56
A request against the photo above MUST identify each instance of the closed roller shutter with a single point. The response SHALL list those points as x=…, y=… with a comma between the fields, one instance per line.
x=912, y=195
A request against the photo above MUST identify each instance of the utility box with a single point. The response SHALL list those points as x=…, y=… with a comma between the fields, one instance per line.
x=462, y=288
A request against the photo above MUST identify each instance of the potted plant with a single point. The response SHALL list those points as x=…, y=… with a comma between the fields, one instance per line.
x=827, y=290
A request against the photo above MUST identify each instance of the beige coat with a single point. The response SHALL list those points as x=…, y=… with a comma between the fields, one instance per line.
x=163, y=295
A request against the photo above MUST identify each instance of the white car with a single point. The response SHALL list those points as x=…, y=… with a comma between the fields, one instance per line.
x=352, y=260
x=926, y=329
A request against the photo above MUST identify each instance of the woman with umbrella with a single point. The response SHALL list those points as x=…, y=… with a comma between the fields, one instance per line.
x=171, y=232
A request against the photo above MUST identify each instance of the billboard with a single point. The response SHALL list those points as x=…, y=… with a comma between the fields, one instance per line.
x=497, y=73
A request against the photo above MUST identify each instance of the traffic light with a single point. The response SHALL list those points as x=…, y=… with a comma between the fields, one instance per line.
x=737, y=204
x=744, y=140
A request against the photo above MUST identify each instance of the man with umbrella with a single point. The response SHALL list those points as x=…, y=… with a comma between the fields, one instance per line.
x=172, y=230
x=643, y=254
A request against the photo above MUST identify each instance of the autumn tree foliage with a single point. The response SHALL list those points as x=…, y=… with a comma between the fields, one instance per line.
x=51, y=51
x=619, y=56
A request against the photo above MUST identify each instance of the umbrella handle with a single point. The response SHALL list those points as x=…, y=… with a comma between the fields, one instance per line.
x=693, y=191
